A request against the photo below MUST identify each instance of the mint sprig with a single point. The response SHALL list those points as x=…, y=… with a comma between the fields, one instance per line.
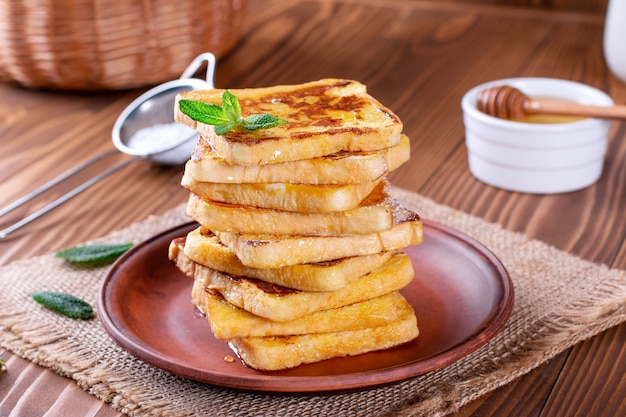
x=228, y=116
x=94, y=255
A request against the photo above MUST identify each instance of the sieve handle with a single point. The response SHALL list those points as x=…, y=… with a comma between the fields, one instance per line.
x=195, y=65
x=71, y=194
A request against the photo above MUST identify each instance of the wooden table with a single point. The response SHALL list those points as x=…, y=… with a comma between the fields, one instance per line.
x=416, y=57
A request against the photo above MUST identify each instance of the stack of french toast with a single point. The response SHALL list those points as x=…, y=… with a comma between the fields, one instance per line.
x=298, y=254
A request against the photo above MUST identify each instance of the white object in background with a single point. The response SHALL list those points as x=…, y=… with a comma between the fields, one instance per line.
x=615, y=38
x=531, y=157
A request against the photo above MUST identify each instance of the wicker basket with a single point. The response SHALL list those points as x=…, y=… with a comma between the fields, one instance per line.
x=110, y=44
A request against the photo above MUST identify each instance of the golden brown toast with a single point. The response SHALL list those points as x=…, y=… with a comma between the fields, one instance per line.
x=279, y=303
x=285, y=196
x=339, y=168
x=228, y=322
x=269, y=251
x=374, y=214
x=283, y=352
x=323, y=117
x=203, y=247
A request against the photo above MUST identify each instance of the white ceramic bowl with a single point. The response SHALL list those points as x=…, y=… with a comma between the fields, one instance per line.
x=537, y=158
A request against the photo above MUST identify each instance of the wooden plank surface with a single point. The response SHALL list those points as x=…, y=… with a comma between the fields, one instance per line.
x=571, y=5
x=416, y=57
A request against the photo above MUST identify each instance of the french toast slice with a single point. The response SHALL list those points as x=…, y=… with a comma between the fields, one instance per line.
x=323, y=117
x=228, y=322
x=374, y=214
x=270, y=251
x=339, y=168
x=285, y=196
x=203, y=247
x=273, y=353
x=279, y=303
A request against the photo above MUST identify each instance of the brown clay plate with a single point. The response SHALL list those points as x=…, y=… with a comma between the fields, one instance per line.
x=461, y=294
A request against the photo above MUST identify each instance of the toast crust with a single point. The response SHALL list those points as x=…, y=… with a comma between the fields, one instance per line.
x=282, y=304
x=374, y=214
x=323, y=117
x=284, y=196
x=204, y=248
x=282, y=352
x=229, y=322
x=340, y=168
x=268, y=251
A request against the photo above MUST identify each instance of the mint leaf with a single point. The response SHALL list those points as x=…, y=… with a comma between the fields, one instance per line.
x=94, y=255
x=260, y=121
x=66, y=304
x=227, y=117
x=231, y=106
x=224, y=128
x=211, y=114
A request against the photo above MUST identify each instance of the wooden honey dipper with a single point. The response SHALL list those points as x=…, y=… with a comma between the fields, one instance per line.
x=507, y=102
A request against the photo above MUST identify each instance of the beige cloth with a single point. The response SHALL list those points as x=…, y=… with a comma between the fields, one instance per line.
x=560, y=300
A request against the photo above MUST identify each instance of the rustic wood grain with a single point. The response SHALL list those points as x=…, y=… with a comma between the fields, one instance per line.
x=416, y=57
x=578, y=5
x=600, y=361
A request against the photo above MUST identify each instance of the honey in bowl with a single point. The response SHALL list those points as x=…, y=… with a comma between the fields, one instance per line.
x=548, y=118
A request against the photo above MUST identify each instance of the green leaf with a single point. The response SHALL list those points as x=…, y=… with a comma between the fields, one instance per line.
x=231, y=106
x=224, y=128
x=260, y=121
x=63, y=303
x=94, y=255
x=227, y=117
x=211, y=114
x=3, y=366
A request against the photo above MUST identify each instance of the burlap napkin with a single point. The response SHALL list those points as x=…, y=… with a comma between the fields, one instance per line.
x=559, y=301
